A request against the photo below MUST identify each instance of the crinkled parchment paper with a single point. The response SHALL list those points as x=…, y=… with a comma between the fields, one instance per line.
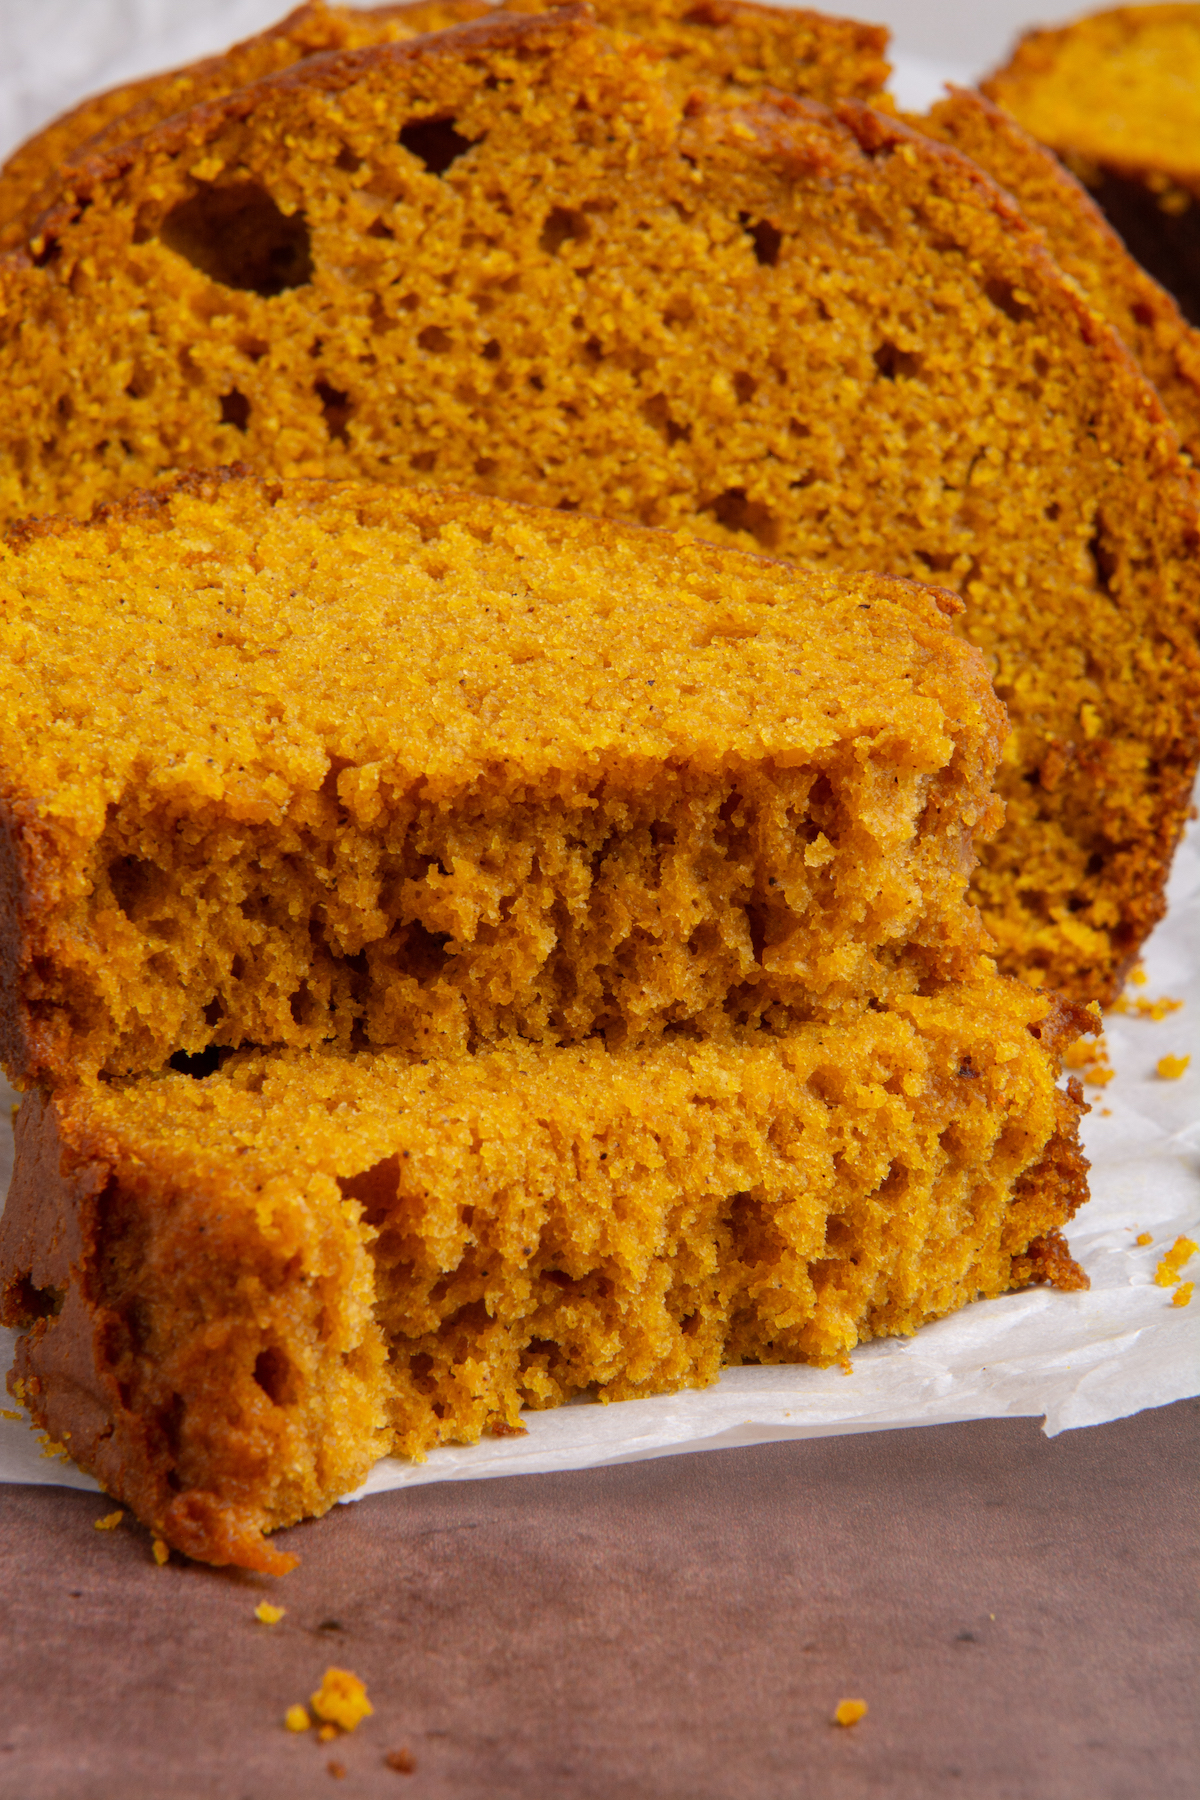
x=1074, y=1359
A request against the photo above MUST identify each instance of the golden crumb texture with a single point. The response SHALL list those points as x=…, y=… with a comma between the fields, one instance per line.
x=277, y=1273
x=296, y=763
x=514, y=257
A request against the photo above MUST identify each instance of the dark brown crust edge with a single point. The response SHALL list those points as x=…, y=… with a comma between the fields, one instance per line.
x=50, y=1242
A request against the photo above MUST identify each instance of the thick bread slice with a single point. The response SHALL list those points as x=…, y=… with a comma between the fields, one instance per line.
x=238, y=1292
x=504, y=256
x=393, y=766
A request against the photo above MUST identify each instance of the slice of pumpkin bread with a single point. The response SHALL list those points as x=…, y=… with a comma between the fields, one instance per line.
x=282, y=764
x=237, y=1292
x=1117, y=95
x=507, y=256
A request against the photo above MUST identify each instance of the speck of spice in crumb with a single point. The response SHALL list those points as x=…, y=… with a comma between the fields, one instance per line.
x=296, y=1719
x=1144, y=1237
x=109, y=1522
x=849, y=1712
x=270, y=1615
x=403, y=1761
x=1167, y=1272
x=1183, y=1293
x=342, y=1700
x=161, y=1553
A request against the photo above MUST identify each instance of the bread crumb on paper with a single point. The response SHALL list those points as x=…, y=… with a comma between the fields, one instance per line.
x=109, y=1522
x=1167, y=1272
x=296, y=1719
x=849, y=1712
x=341, y=1700
x=270, y=1615
x=1144, y=1237
x=1170, y=1068
x=1183, y=1293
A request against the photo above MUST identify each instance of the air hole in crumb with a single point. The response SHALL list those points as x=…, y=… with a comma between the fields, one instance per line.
x=1003, y=295
x=336, y=407
x=434, y=339
x=733, y=510
x=491, y=351
x=767, y=240
x=745, y=387
x=235, y=410
x=347, y=162
x=275, y=1375
x=892, y=362
x=435, y=143
x=302, y=1005
x=199, y=1064
x=423, y=461
x=238, y=236
x=563, y=226
x=214, y=1012
x=1104, y=560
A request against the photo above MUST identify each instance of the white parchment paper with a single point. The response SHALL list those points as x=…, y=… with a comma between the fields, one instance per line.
x=1072, y=1359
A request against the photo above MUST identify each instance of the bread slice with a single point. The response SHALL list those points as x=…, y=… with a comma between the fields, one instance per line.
x=1084, y=245
x=237, y=1292
x=1117, y=96
x=731, y=45
x=288, y=764
x=506, y=256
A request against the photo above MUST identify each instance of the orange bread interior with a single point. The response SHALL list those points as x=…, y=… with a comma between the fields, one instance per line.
x=292, y=764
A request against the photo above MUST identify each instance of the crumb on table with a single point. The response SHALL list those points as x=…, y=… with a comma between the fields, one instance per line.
x=849, y=1712
x=270, y=1615
x=341, y=1699
x=109, y=1522
x=402, y=1760
x=296, y=1718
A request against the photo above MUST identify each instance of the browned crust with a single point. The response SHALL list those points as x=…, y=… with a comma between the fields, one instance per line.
x=51, y=1245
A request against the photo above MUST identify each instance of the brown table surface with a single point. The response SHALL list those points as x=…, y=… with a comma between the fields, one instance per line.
x=1019, y=1613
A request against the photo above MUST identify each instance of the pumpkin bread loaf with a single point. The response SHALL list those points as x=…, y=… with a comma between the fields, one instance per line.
x=1084, y=245
x=731, y=45
x=505, y=256
x=237, y=1292
x=1117, y=96
x=289, y=764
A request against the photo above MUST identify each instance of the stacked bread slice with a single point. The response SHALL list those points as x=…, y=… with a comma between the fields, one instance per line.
x=470, y=955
